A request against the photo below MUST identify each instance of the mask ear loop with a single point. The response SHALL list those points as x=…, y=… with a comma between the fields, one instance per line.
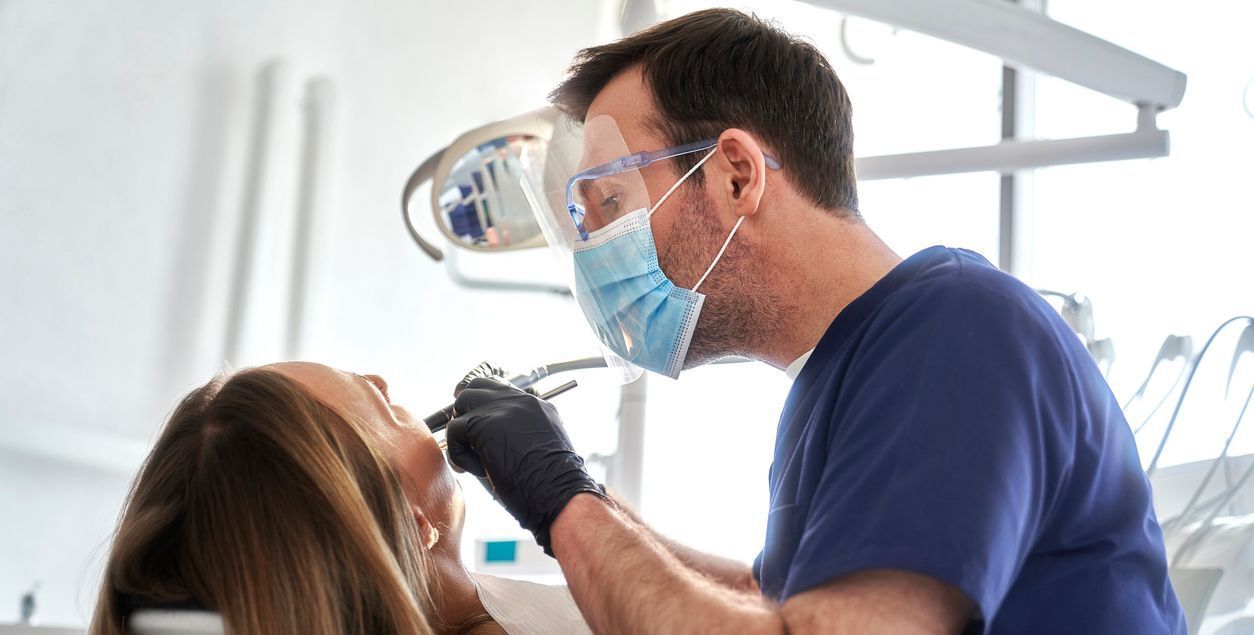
x=720, y=253
x=727, y=242
x=681, y=181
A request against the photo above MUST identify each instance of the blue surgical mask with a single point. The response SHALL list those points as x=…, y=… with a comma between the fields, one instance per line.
x=634, y=308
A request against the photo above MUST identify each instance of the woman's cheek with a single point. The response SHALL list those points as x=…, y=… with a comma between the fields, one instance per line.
x=435, y=477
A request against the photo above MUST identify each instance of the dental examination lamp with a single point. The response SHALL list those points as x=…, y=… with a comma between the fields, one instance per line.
x=476, y=201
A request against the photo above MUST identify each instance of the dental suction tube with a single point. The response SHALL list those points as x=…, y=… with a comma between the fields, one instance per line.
x=439, y=419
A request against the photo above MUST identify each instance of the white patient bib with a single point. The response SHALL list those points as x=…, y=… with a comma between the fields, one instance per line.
x=527, y=608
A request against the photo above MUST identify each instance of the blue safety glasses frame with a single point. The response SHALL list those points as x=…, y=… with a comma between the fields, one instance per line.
x=634, y=162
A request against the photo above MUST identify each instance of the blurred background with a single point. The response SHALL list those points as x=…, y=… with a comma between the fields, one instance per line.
x=166, y=167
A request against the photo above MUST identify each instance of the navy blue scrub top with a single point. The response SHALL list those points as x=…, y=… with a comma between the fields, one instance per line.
x=950, y=423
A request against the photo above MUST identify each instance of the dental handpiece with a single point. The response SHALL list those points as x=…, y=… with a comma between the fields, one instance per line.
x=439, y=419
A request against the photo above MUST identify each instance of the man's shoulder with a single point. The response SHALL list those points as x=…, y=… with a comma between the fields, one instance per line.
x=953, y=305
x=962, y=285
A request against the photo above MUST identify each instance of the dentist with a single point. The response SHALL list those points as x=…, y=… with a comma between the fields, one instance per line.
x=949, y=459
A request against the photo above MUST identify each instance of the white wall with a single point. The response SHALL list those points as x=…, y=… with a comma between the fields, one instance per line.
x=124, y=138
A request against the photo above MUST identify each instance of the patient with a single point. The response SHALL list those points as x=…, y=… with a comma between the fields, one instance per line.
x=295, y=498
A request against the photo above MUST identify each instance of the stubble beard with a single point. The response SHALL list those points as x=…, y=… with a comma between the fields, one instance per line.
x=742, y=311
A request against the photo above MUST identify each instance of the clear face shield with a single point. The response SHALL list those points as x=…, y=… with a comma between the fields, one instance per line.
x=593, y=208
x=588, y=194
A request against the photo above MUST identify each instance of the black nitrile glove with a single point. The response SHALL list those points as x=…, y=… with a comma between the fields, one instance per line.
x=516, y=441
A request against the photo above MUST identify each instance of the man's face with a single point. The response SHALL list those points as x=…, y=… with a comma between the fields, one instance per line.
x=627, y=100
x=690, y=227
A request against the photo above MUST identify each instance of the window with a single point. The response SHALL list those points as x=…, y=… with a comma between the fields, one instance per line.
x=1160, y=246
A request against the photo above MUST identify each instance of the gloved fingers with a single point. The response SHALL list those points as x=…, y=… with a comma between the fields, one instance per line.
x=468, y=461
x=484, y=369
x=482, y=391
x=460, y=452
x=488, y=382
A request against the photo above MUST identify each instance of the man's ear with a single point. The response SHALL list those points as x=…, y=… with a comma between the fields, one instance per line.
x=430, y=535
x=743, y=165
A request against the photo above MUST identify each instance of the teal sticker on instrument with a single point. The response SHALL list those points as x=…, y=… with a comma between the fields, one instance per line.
x=501, y=551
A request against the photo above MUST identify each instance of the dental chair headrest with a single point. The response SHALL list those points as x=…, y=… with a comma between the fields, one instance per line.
x=174, y=622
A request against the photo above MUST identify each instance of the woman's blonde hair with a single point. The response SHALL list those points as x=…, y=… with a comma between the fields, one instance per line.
x=263, y=504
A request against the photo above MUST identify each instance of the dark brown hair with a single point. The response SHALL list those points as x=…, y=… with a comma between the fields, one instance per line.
x=719, y=68
x=261, y=503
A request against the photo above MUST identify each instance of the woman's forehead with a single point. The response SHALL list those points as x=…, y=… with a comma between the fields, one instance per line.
x=308, y=372
x=336, y=388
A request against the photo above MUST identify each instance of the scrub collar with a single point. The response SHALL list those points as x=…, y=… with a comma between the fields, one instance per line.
x=794, y=368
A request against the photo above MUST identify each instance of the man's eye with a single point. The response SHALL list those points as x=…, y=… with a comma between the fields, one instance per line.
x=610, y=202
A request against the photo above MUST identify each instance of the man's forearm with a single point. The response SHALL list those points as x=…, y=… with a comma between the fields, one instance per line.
x=625, y=581
x=725, y=571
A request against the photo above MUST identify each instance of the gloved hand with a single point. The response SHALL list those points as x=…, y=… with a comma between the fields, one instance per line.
x=516, y=441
